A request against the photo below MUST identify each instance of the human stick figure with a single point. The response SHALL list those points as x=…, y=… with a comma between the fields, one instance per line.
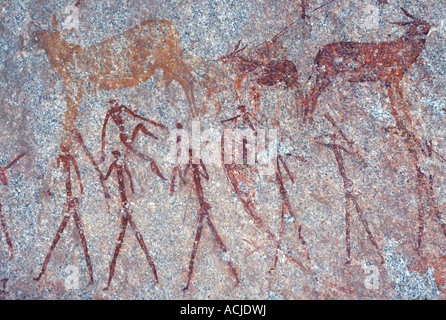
x=287, y=208
x=417, y=150
x=115, y=113
x=120, y=167
x=237, y=174
x=66, y=160
x=350, y=198
x=197, y=172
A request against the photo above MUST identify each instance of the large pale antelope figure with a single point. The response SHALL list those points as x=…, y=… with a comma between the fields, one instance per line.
x=369, y=62
x=122, y=61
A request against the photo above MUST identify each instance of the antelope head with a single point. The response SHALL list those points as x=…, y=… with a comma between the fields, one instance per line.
x=231, y=54
x=46, y=38
x=417, y=27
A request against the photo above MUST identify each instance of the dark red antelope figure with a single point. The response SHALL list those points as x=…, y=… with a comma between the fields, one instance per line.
x=269, y=70
x=197, y=172
x=369, y=62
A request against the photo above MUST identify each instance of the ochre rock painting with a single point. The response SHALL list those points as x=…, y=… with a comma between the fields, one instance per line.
x=274, y=151
x=125, y=60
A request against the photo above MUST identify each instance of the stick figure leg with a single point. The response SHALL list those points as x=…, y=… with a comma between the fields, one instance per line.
x=143, y=246
x=194, y=250
x=222, y=247
x=5, y=230
x=143, y=129
x=347, y=229
x=80, y=230
x=279, y=242
x=53, y=244
x=433, y=205
x=366, y=226
x=124, y=222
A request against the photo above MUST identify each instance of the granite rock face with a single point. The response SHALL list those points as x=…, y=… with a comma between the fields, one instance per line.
x=346, y=201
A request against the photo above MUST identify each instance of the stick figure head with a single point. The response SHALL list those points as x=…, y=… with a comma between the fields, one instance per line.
x=242, y=108
x=64, y=148
x=116, y=154
x=113, y=102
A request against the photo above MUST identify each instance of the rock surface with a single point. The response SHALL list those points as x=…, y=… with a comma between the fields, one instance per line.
x=354, y=208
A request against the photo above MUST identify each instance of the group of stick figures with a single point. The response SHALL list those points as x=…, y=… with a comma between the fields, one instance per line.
x=237, y=174
x=119, y=167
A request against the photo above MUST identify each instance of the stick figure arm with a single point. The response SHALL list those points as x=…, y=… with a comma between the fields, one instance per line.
x=110, y=170
x=354, y=154
x=127, y=171
x=345, y=150
x=439, y=155
x=133, y=114
x=78, y=174
x=13, y=162
x=104, y=128
x=327, y=145
x=185, y=172
x=58, y=161
x=250, y=115
x=80, y=140
x=3, y=178
x=230, y=119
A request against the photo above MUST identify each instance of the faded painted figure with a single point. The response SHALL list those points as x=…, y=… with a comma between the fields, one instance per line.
x=122, y=61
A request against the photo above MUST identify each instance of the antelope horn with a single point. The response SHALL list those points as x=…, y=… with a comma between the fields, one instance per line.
x=238, y=45
x=240, y=50
x=281, y=33
x=408, y=14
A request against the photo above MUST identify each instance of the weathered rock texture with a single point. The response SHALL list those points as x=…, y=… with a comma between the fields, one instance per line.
x=354, y=210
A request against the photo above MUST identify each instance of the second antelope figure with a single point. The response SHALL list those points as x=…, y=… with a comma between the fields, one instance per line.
x=369, y=62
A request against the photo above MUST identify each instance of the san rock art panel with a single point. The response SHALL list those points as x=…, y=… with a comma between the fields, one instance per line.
x=215, y=150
